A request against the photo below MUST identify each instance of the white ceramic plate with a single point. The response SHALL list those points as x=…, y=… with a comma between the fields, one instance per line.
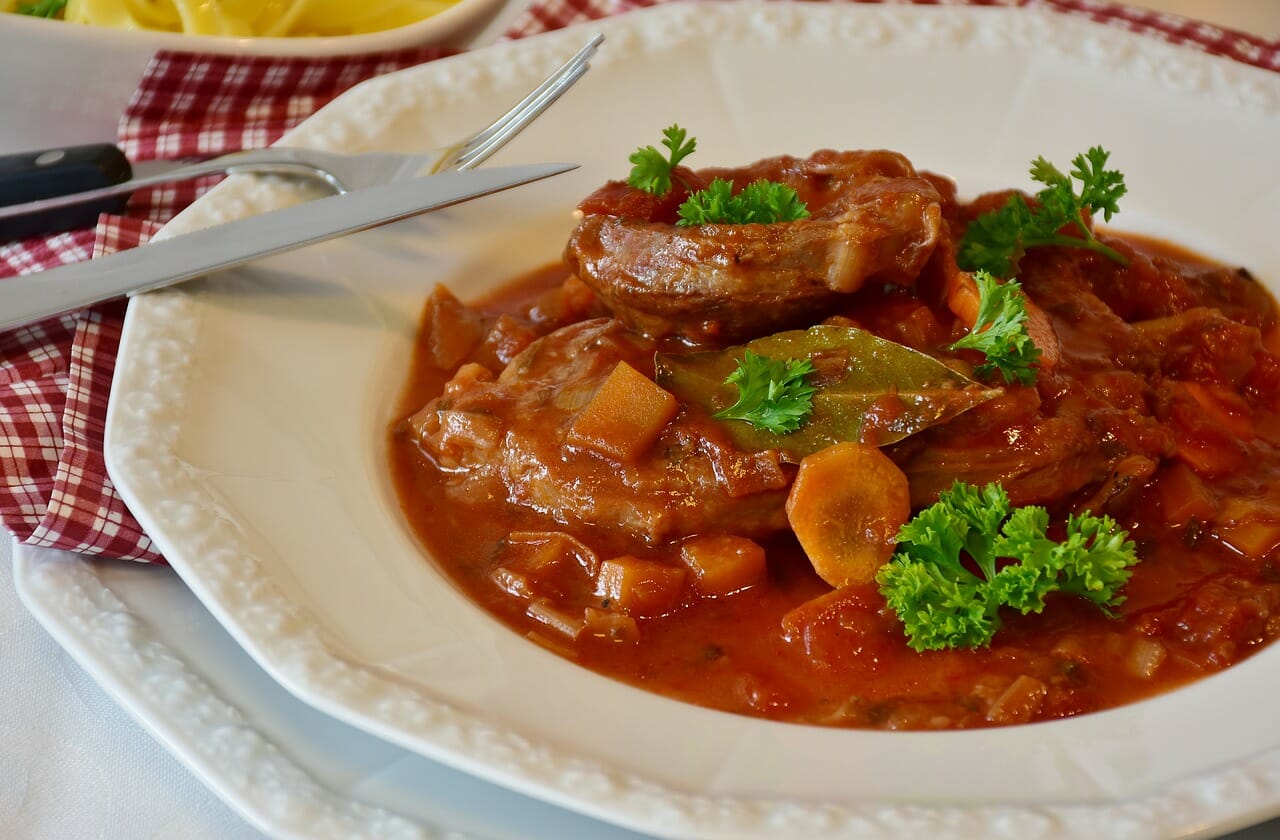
x=284, y=767
x=248, y=415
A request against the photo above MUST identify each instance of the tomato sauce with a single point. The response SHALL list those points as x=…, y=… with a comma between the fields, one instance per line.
x=1184, y=381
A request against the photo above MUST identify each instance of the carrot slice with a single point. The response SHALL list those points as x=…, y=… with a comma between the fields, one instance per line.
x=962, y=296
x=1043, y=335
x=846, y=507
x=963, y=300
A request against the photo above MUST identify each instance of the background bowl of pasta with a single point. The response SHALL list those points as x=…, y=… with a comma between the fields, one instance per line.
x=80, y=60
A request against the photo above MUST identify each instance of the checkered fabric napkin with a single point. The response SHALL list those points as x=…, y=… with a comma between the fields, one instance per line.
x=55, y=376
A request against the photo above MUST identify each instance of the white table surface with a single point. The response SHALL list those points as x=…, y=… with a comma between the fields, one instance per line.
x=74, y=765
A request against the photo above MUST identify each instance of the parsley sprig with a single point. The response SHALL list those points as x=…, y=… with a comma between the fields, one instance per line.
x=996, y=241
x=760, y=202
x=773, y=394
x=1000, y=331
x=942, y=604
x=651, y=169
x=42, y=8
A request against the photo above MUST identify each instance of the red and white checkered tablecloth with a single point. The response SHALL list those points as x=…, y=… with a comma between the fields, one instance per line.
x=55, y=376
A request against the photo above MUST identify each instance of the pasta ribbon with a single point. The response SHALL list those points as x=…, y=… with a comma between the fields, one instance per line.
x=252, y=18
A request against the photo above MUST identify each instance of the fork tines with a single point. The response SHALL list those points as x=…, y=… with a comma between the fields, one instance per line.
x=483, y=145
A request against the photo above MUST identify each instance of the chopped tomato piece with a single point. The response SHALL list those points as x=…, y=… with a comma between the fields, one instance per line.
x=451, y=330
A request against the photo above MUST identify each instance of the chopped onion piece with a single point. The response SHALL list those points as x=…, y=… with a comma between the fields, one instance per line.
x=1145, y=658
x=1019, y=702
x=558, y=620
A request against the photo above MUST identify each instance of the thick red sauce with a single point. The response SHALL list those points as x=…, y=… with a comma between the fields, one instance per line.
x=1205, y=516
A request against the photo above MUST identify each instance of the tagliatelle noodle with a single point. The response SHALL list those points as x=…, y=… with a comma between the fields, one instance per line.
x=254, y=18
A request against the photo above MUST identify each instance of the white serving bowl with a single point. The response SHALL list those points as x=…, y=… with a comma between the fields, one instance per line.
x=76, y=80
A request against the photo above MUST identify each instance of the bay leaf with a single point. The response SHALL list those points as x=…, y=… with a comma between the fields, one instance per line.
x=870, y=390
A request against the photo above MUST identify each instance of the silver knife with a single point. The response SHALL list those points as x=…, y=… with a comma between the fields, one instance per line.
x=32, y=297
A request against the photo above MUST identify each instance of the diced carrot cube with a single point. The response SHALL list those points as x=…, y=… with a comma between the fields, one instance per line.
x=1250, y=526
x=610, y=626
x=640, y=587
x=724, y=564
x=1210, y=458
x=1210, y=424
x=1225, y=409
x=625, y=416
x=1254, y=539
x=1183, y=496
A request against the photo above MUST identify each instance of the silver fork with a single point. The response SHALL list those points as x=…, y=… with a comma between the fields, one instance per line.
x=339, y=172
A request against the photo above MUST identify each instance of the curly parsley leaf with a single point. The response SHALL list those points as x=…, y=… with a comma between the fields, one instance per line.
x=716, y=203
x=651, y=169
x=996, y=241
x=766, y=202
x=943, y=604
x=772, y=394
x=1000, y=331
x=760, y=202
x=938, y=610
x=42, y=8
x=1094, y=559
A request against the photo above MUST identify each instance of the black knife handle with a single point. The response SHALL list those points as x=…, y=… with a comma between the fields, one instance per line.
x=30, y=176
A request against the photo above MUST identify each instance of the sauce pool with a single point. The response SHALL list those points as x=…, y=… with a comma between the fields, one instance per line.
x=1205, y=519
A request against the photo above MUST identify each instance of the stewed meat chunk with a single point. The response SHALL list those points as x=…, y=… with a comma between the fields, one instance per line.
x=508, y=438
x=871, y=217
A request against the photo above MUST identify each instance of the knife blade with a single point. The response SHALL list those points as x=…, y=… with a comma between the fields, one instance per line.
x=32, y=297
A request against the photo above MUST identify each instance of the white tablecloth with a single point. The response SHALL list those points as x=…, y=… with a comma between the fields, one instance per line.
x=72, y=763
